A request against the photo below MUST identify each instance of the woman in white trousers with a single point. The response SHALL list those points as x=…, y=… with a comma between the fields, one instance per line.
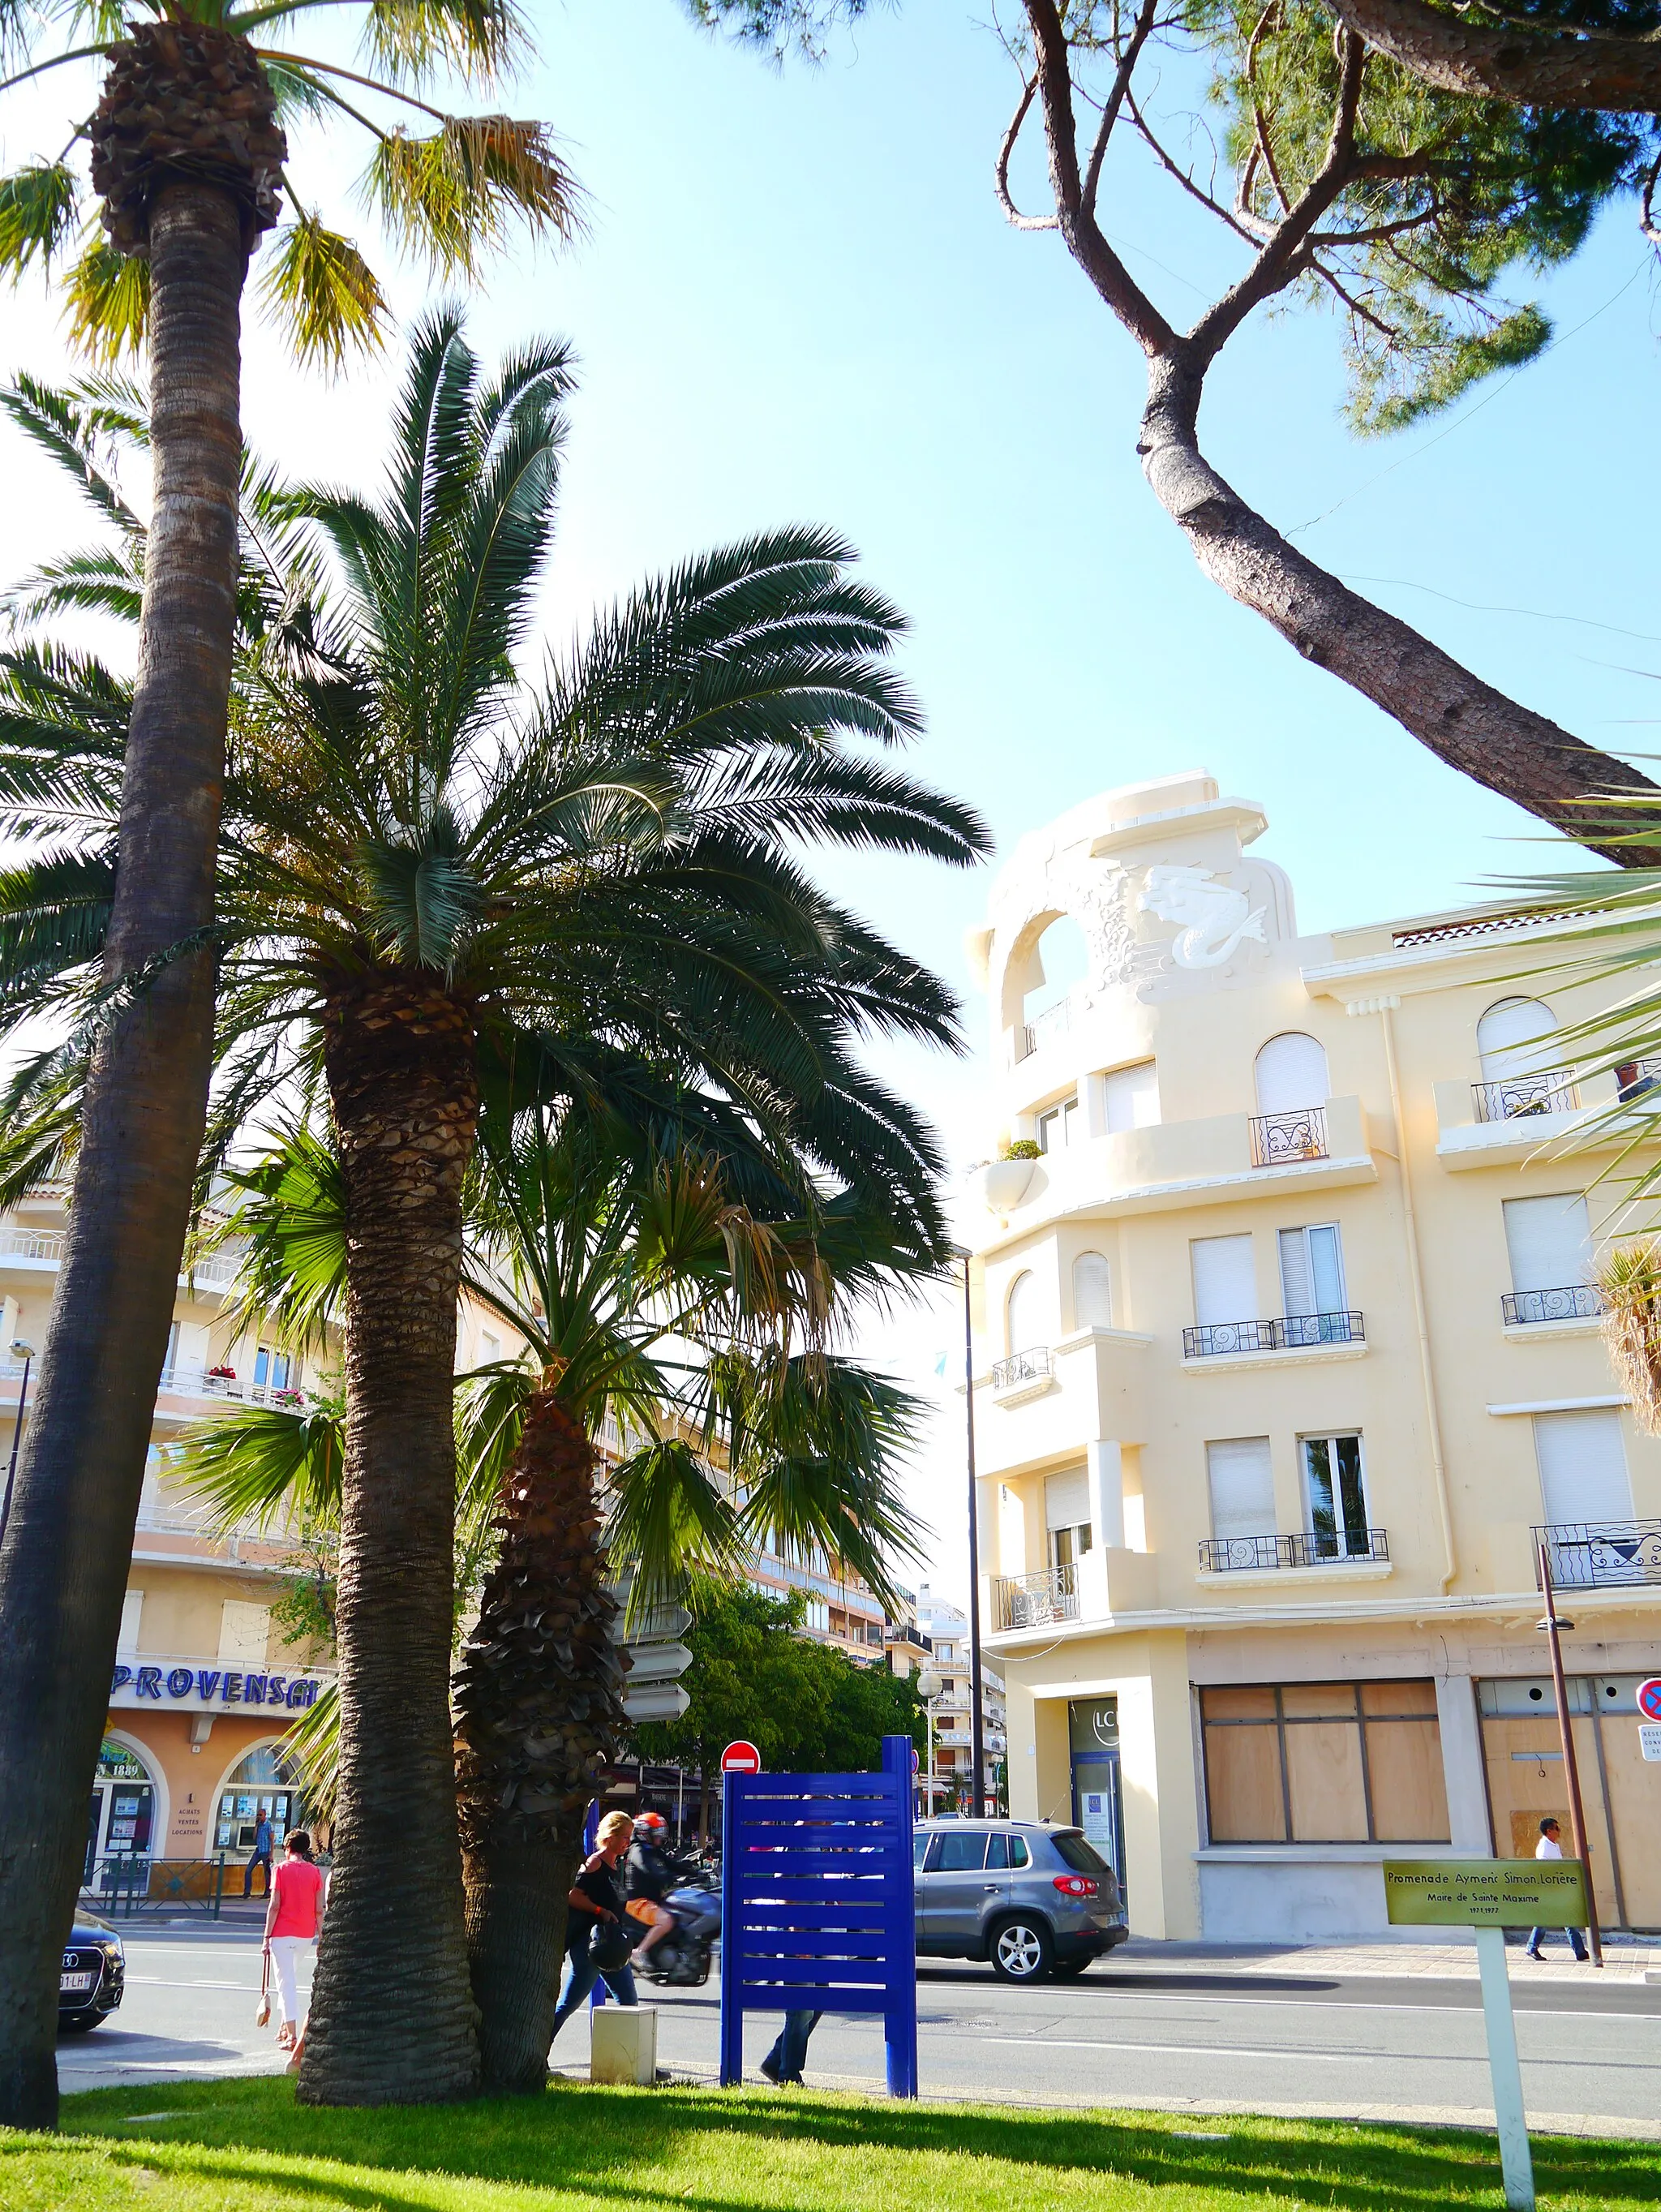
x=293, y=1921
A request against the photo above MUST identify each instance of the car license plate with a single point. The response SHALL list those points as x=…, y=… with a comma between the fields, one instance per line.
x=68, y=1982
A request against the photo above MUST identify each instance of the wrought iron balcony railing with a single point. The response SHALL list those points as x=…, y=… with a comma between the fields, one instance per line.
x=1034, y=1601
x=1551, y=1091
x=1601, y=1554
x=1294, y=1332
x=1031, y=1366
x=1278, y=1139
x=1574, y=1302
x=1305, y=1547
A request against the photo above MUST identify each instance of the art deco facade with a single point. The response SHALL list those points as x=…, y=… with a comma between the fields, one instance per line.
x=1286, y=1356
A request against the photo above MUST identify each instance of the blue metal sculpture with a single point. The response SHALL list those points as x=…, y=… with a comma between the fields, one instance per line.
x=816, y=1901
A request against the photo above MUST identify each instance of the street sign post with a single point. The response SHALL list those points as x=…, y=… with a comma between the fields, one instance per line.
x=741, y=1757
x=1488, y=1896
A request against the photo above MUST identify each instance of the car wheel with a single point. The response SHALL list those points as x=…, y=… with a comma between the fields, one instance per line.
x=77, y=2023
x=1022, y=1950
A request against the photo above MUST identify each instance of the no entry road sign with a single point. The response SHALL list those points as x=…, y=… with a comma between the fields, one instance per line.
x=1649, y=1698
x=741, y=1757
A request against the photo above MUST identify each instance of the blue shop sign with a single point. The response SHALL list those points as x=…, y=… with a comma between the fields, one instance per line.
x=212, y=1686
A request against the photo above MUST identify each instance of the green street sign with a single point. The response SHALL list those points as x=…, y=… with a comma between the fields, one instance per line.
x=1485, y=1893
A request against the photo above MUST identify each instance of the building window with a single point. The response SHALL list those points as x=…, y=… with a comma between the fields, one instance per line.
x=1549, y=1241
x=1517, y=1037
x=1242, y=1487
x=1059, y=1125
x=1311, y=1271
x=1225, y=1281
x=1583, y=1465
x=1067, y=1517
x=1093, y=1291
x=1291, y=1074
x=264, y=1784
x=1335, y=1496
x=271, y=1368
x=1324, y=1763
x=1132, y=1098
x=1025, y=1319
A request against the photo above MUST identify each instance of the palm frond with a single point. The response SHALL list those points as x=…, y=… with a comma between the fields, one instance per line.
x=37, y=212
x=670, y=1519
x=483, y=39
x=323, y=293
x=290, y=1216
x=455, y=195
x=108, y=297
x=266, y=1465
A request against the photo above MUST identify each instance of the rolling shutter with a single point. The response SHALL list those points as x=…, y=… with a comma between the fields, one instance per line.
x=1583, y=1465
x=1225, y=1281
x=1549, y=1241
x=1242, y=1487
x=1093, y=1291
x=1291, y=1074
x=1067, y=1500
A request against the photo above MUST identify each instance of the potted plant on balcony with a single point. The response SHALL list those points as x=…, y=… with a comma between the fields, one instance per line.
x=1004, y=1182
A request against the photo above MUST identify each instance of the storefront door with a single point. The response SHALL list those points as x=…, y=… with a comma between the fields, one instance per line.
x=1093, y=1732
x=121, y=1817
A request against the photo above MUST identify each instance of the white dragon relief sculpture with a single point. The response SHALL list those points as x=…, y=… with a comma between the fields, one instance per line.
x=1213, y=919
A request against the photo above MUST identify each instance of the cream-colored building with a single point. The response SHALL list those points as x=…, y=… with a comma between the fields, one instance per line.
x=1286, y=1353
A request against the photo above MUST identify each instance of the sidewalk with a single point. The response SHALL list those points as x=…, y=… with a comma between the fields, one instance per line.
x=1627, y=1958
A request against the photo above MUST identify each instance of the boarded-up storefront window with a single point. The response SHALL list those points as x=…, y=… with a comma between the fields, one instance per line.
x=1324, y=1763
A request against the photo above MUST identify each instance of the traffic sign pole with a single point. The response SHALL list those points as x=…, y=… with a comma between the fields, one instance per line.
x=1552, y=1625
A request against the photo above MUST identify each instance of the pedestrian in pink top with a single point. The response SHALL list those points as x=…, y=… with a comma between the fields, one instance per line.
x=293, y=1921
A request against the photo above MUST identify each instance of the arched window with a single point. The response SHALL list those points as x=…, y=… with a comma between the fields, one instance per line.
x=263, y=1782
x=1093, y=1291
x=1025, y=1319
x=121, y=1824
x=1517, y=1036
x=1059, y=959
x=1292, y=1073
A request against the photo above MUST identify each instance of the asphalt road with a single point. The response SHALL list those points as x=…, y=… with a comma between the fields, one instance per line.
x=1183, y=2037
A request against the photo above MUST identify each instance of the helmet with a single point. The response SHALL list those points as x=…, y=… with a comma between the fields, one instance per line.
x=653, y=1823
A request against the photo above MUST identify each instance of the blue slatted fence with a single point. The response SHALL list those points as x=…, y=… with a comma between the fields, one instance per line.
x=816, y=1904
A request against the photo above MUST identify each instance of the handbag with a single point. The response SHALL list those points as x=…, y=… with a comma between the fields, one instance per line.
x=263, y=2010
x=612, y=1944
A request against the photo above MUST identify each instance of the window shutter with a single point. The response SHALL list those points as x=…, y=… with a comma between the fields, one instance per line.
x=1026, y=1329
x=1067, y=1500
x=1242, y=1487
x=1132, y=1098
x=1093, y=1291
x=1292, y=1073
x=1549, y=1241
x=1517, y=1037
x=1225, y=1281
x=1583, y=1465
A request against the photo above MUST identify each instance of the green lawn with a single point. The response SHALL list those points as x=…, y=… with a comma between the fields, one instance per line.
x=221, y=2146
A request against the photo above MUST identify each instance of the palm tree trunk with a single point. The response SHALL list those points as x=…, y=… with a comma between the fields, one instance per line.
x=392, y=2016
x=539, y=1713
x=65, y=1556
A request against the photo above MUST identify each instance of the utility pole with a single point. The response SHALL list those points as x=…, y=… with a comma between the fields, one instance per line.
x=1551, y=1625
x=976, y=1720
x=27, y=1350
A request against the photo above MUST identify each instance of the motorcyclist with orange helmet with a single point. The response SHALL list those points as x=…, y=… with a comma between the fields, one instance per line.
x=651, y=1872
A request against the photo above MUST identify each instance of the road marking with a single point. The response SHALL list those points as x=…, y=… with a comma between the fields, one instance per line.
x=1185, y=2050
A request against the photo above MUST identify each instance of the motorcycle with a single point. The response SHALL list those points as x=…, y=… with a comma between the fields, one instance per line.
x=680, y=1960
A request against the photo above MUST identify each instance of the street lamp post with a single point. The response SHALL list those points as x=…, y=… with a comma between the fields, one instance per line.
x=929, y=1686
x=977, y=1726
x=1549, y=1628
x=27, y=1350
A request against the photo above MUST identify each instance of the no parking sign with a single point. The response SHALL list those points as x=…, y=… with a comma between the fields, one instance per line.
x=1649, y=1718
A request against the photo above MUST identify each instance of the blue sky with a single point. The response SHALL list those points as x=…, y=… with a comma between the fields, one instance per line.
x=798, y=300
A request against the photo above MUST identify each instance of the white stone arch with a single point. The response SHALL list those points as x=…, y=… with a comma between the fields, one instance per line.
x=1042, y=887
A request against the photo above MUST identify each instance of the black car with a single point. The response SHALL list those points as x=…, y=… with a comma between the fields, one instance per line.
x=93, y=1977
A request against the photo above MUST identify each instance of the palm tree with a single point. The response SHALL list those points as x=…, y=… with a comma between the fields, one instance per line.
x=638, y=1290
x=431, y=879
x=187, y=154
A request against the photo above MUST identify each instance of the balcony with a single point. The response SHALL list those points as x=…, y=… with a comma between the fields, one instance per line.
x=43, y=1246
x=1035, y=1601
x=1279, y=1139
x=1601, y=1554
x=1574, y=1302
x=1305, y=1548
x=1030, y=1037
x=1023, y=1375
x=1552, y=1090
x=201, y=1382
x=1226, y=1339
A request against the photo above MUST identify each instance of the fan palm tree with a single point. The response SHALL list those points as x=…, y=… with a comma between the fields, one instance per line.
x=186, y=158
x=432, y=877
x=638, y=1290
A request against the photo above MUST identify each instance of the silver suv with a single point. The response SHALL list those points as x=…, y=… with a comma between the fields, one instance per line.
x=1033, y=1899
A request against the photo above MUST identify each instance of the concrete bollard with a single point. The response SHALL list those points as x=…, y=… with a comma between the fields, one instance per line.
x=623, y=2044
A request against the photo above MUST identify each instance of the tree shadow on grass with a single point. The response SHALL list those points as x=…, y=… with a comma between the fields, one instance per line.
x=615, y=2146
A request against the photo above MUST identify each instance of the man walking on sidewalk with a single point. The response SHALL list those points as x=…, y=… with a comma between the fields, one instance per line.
x=262, y=1856
x=1551, y=1847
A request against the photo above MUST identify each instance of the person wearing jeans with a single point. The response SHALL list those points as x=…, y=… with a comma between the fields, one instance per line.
x=595, y=1907
x=293, y=1921
x=785, y=2062
x=1551, y=1847
x=262, y=1856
